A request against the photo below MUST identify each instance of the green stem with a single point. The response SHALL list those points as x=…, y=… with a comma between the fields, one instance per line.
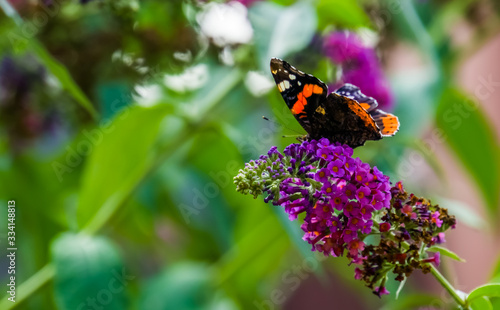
x=28, y=287
x=448, y=287
x=114, y=203
x=442, y=280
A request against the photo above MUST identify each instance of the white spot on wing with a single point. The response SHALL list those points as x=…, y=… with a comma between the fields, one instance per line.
x=292, y=77
x=287, y=84
x=299, y=83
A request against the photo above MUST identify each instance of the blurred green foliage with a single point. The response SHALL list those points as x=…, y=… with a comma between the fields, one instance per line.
x=127, y=201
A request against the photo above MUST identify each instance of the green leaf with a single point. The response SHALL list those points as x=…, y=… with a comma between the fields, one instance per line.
x=181, y=286
x=470, y=135
x=63, y=76
x=88, y=270
x=200, y=202
x=482, y=303
x=445, y=252
x=258, y=237
x=495, y=277
x=495, y=301
x=346, y=14
x=120, y=155
x=489, y=290
x=295, y=235
x=281, y=31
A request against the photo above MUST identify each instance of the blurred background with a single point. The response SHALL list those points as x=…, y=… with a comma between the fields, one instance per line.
x=122, y=124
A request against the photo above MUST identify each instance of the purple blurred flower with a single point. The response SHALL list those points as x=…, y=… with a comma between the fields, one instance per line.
x=24, y=115
x=360, y=66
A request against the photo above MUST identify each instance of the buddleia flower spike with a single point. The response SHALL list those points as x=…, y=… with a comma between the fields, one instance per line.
x=345, y=201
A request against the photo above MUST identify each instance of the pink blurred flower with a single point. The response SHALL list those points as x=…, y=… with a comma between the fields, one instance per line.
x=360, y=66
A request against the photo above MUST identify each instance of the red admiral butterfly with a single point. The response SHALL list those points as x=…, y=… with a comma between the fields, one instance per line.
x=345, y=115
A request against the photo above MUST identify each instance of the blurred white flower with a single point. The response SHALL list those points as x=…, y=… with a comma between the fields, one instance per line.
x=148, y=95
x=185, y=57
x=225, y=23
x=369, y=37
x=192, y=78
x=258, y=84
x=226, y=56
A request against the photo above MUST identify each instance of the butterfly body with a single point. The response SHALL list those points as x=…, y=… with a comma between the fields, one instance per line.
x=345, y=115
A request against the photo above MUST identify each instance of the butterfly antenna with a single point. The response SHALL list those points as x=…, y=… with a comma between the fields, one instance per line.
x=280, y=125
x=269, y=120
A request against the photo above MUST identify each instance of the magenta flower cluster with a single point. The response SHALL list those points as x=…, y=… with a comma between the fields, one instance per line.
x=342, y=201
x=338, y=197
x=351, y=191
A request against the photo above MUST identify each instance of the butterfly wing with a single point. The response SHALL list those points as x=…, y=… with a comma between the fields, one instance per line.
x=353, y=92
x=302, y=92
x=344, y=120
x=386, y=122
x=346, y=115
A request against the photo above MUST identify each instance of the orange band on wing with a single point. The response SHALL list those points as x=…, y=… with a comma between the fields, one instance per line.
x=317, y=90
x=298, y=107
x=364, y=105
x=391, y=124
x=308, y=90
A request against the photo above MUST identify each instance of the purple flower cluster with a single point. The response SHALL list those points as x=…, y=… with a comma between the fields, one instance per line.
x=342, y=201
x=350, y=192
x=337, y=193
x=360, y=66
